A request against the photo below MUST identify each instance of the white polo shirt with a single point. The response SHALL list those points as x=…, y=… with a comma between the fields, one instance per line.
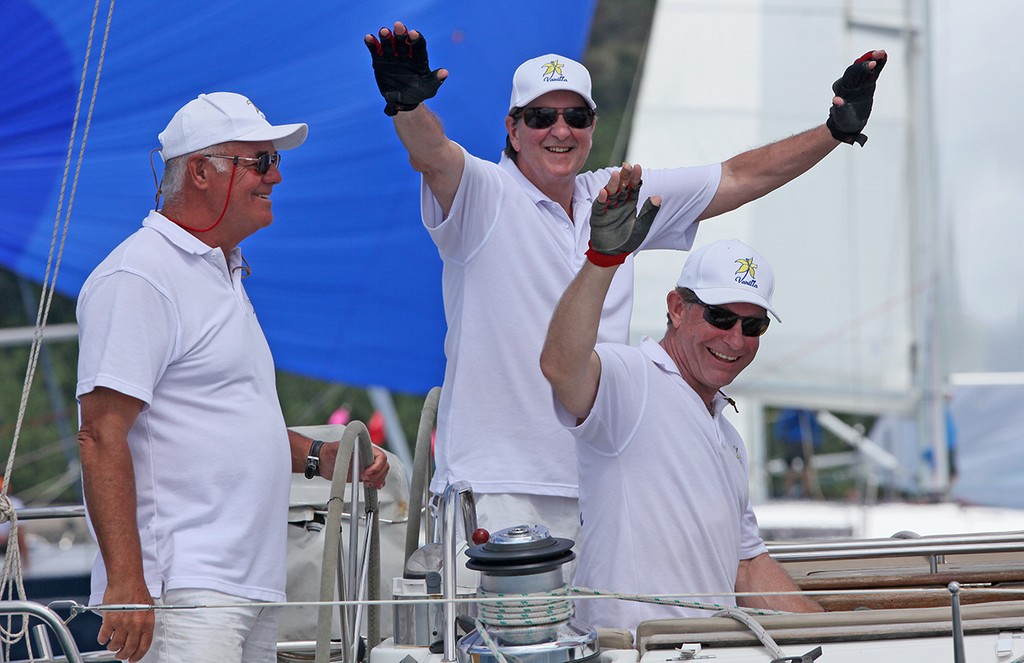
x=509, y=252
x=664, y=497
x=163, y=319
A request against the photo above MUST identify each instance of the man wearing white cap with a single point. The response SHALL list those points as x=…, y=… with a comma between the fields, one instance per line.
x=664, y=499
x=185, y=454
x=513, y=234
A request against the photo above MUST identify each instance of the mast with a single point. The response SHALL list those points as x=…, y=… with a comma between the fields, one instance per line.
x=928, y=241
x=929, y=260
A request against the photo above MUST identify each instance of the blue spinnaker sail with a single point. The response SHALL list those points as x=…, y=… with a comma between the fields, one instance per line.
x=346, y=282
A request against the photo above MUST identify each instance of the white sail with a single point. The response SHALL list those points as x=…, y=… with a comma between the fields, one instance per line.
x=722, y=78
x=859, y=245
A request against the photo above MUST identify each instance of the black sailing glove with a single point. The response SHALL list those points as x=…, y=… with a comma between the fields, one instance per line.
x=615, y=228
x=402, y=72
x=857, y=89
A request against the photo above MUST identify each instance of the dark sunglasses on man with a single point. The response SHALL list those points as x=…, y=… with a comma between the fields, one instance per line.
x=577, y=117
x=724, y=319
x=263, y=160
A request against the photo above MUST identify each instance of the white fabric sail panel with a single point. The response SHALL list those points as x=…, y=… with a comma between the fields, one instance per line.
x=723, y=77
x=981, y=174
x=988, y=419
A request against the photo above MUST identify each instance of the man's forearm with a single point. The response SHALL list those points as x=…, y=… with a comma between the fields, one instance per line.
x=108, y=481
x=422, y=134
x=568, y=360
x=757, y=172
x=431, y=153
x=764, y=574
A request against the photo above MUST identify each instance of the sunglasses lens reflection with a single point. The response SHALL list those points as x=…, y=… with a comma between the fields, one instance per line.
x=754, y=326
x=264, y=160
x=578, y=118
x=724, y=319
x=542, y=118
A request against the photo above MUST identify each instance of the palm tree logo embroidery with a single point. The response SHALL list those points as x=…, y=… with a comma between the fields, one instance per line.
x=553, y=71
x=747, y=267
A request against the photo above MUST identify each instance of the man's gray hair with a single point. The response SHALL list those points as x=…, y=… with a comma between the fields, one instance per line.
x=174, y=171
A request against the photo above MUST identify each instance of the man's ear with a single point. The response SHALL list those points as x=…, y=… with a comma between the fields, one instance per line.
x=676, y=306
x=199, y=170
x=511, y=125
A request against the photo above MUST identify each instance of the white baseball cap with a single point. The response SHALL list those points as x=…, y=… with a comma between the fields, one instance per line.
x=729, y=271
x=547, y=73
x=223, y=117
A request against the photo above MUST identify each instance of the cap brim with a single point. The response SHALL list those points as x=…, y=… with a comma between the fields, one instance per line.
x=284, y=136
x=719, y=296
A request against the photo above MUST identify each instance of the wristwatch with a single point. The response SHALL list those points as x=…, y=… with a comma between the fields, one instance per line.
x=313, y=459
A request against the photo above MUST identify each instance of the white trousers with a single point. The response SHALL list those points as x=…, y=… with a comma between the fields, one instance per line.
x=243, y=634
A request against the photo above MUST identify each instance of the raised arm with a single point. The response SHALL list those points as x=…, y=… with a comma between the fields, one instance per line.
x=568, y=359
x=405, y=80
x=755, y=173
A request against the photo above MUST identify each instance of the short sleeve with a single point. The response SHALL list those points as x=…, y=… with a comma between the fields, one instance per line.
x=621, y=398
x=751, y=543
x=473, y=214
x=126, y=335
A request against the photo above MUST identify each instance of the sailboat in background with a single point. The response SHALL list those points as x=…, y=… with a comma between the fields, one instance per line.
x=861, y=244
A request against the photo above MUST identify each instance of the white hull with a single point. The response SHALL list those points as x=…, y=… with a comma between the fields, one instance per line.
x=896, y=636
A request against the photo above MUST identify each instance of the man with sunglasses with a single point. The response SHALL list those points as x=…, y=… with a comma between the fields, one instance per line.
x=512, y=235
x=186, y=459
x=660, y=467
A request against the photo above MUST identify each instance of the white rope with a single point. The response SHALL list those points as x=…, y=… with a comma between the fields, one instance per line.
x=12, y=583
x=481, y=628
x=586, y=592
x=533, y=609
x=755, y=628
x=577, y=596
x=531, y=614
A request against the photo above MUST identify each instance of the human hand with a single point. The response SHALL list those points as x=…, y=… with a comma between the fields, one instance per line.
x=615, y=228
x=127, y=633
x=374, y=475
x=400, y=66
x=855, y=93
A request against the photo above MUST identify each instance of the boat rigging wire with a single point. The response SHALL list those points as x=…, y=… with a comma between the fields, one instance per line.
x=12, y=585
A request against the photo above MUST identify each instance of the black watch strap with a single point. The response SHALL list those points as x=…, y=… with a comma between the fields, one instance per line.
x=313, y=459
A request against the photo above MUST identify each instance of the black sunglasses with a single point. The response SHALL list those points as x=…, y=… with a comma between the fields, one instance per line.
x=724, y=319
x=264, y=160
x=577, y=117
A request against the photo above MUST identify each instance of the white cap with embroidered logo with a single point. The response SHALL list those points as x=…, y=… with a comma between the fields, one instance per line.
x=548, y=73
x=223, y=117
x=727, y=272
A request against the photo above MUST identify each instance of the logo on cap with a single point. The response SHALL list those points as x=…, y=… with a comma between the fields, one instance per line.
x=746, y=272
x=553, y=71
x=258, y=111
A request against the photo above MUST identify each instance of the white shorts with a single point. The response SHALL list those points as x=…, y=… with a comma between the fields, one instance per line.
x=243, y=634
